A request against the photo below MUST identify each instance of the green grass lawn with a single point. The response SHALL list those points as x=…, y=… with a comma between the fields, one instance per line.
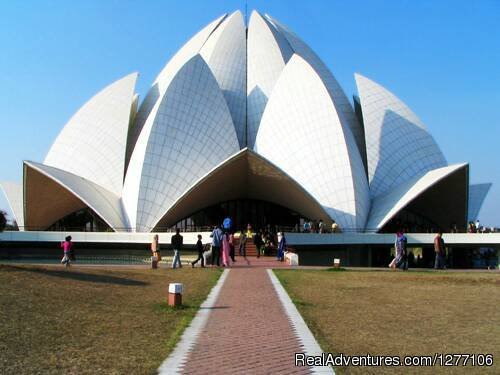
x=93, y=320
x=400, y=313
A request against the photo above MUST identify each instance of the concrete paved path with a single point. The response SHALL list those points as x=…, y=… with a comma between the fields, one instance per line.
x=247, y=330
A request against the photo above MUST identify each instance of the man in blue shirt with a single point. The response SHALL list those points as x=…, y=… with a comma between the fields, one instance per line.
x=216, y=244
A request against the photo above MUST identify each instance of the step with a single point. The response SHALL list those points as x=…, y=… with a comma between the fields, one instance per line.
x=251, y=249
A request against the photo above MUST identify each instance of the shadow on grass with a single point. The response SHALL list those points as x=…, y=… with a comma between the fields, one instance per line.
x=298, y=302
x=164, y=306
x=332, y=269
x=80, y=276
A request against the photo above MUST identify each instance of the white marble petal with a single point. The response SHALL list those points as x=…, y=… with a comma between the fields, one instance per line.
x=340, y=100
x=268, y=52
x=225, y=53
x=302, y=134
x=477, y=195
x=149, y=105
x=398, y=145
x=92, y=144
x=190, y=134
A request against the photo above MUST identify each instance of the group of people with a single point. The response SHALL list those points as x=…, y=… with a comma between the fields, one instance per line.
x=266, y=242
x=221, y=249
x=401, y=258
x=223, y=243
x=476, y=227
x=320, y=227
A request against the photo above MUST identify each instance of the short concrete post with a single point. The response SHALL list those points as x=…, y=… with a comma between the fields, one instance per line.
x=175, y=294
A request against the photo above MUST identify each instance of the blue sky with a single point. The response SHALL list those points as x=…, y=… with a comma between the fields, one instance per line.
x=441, y=57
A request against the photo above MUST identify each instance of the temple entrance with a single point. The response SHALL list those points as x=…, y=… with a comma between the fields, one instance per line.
x=260, y=214
x=84, y=220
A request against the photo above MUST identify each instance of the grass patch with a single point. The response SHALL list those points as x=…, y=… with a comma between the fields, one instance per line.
x=400, y=313
x=93, y=320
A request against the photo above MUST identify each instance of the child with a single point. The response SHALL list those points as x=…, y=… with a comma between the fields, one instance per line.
x=199, y=247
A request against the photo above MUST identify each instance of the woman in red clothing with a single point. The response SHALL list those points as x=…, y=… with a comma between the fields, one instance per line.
x=67, y=246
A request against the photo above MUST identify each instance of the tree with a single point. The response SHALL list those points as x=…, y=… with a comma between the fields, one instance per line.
x=12, y=226
x=3, y=220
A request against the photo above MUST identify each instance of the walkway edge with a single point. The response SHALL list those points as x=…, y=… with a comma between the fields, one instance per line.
x=301, y=330
x=176, y=360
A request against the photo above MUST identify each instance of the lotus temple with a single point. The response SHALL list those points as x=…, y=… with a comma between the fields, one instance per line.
x=245, y=121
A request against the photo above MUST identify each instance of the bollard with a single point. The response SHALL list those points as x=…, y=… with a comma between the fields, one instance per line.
x=175, y=294
x=336, y=263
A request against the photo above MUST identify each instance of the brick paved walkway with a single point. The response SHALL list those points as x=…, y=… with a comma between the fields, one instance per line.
x=263, y=261
x=247, y=330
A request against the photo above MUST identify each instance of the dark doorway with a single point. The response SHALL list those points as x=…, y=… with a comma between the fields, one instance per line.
x=260, y=214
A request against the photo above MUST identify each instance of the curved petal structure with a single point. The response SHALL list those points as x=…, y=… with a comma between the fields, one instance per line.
x=268, y=53
x=150, y=104
x=253, y=177
x=14, y=194
x=51, y=194
x=225, y=54
x=477, y=195
x=342, y=104
x=440, y=205
x=397, y=143
x=191, y=133
x=301, y=133
x=92, y=144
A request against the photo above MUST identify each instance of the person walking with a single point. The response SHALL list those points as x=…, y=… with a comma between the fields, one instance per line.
x=231, y=247
x=471, y=228
x=67, y=247
x=225, y=250
x=242, y=246
x=155, y=251
x=216, y=245
x=307, y=226
x=176, y=242
x=401, y=248
x=440, y=250
x=281, y=247
x=257, y=240
x=335, y=227
x=245, y=235
x=199, y=248
x=321, y=226
x=401, y=257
